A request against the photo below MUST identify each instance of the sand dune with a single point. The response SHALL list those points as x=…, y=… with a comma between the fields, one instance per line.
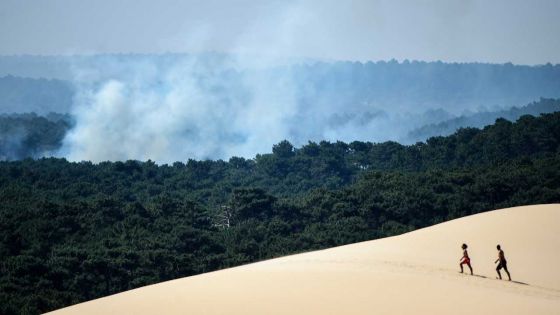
x=414, y=273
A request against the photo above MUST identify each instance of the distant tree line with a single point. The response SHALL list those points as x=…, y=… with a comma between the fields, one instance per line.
x=483, y=118
x=34, y=136
x=41, y=96
x=43, y=84
x=71, y=232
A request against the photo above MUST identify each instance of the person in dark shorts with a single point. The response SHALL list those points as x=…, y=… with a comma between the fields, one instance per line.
x=502, y=264
x=465, y=260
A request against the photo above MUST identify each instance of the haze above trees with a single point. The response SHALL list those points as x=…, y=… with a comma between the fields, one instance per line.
x=218, y=100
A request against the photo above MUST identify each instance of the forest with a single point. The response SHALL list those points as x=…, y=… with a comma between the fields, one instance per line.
x=306, y=100
x=75, y=231
x=483, y=118
x=32, y=136
x=44, y=84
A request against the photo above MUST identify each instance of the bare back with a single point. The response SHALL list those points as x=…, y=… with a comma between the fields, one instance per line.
x=501, y=255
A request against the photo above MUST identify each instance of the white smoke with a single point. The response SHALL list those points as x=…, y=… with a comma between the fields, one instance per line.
x=197, y=106
x=189, y=110
x=209, y=106
x=212, y=106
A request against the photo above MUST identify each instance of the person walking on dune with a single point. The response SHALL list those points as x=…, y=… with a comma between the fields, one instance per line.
x=502, y=264
x=465, y=260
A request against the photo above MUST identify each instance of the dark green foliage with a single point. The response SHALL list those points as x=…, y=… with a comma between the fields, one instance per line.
x=71, y=232
x=28, y=135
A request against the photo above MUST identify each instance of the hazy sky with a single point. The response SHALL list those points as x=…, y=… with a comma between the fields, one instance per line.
x=525, y=32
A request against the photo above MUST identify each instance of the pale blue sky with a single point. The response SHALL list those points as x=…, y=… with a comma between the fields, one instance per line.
x=523, y=32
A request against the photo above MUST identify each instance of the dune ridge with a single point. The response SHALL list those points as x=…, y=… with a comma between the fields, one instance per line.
x=413, y=273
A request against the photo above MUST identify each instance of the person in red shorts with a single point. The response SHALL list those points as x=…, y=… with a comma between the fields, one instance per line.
x=465, y=260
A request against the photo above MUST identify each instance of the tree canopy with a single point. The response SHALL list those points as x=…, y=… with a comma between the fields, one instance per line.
x=71, y=232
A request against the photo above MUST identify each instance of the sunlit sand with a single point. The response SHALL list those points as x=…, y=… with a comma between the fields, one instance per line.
x=414, y=273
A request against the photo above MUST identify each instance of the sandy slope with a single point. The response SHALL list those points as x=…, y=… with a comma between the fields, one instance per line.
x=415, y=273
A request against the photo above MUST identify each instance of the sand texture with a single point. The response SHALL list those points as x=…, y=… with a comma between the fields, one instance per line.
x=414, y=273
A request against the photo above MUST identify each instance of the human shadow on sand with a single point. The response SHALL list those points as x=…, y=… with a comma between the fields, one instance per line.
x=485, y=277
x=519, y=282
